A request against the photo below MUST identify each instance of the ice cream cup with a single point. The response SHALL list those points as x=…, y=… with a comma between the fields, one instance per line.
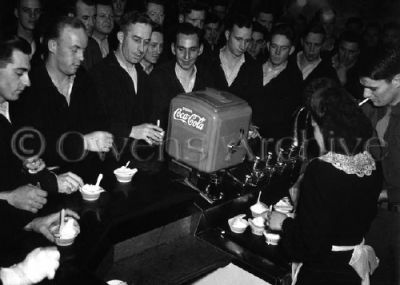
x=69, y=236
x=90, y=192
x=124, y=174
x=257, y=209
x=271, y=238
x=238, y=224
x=257, y=225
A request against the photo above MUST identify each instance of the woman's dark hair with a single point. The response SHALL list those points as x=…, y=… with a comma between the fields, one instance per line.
x=344, y=127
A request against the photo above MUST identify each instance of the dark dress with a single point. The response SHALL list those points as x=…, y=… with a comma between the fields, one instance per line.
x=334, y=208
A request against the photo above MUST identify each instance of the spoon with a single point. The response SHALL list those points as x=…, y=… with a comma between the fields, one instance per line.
x=259, y=195
x=99, y=179
x=62, y=219
x=127, y=164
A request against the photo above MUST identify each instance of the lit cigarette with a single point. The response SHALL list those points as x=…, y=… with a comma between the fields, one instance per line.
x=363, y=102
x=158, y=123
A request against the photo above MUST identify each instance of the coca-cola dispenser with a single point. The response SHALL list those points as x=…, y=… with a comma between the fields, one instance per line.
x=206, y=129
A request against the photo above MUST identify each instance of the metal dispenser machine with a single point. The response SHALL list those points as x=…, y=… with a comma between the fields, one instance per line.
x=206, y=131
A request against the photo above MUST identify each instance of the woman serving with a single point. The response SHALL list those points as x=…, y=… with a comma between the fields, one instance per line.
x=338, y=197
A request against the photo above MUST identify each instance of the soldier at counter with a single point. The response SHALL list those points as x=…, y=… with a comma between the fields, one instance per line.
x=181, y=75
x=234, y=70
x=154, y=51
x=121, y=85
x=274, y=106
x=61, y=102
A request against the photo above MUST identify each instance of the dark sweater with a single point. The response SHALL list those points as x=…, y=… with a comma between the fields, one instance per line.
x=274, y=107
x=247, y=83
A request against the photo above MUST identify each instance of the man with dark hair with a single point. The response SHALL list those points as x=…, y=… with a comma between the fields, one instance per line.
x=99, y=44
x=85, y=10
x=61, y=103
x=28, y=13
x=193, y=13
x=259, y=36
x=121, y=84
x=118, y=9
x=265, y=17
x=309, y=59
x=220, y=8
x=155, y=9
x=211, y=35
x=234, y=70
x=346, y=62
x=181, y=75
x=280, y=96
x=154, y=51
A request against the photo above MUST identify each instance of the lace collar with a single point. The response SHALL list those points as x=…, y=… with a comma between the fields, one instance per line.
x=360, y=164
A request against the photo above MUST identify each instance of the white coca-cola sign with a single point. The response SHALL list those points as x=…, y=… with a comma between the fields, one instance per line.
x=186, y=116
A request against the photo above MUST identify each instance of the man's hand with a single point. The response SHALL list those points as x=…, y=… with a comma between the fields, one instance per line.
x=148, y=132
x=34, y=164
x=68, y=182
x=44, y=224
x=28, y=197
x=98, y=141
x=40, y=263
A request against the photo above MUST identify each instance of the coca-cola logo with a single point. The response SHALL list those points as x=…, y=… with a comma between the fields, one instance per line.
x=186, y=116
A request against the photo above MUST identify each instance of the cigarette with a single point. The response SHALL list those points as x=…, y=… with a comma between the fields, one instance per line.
x=363, y=102
x=158, y=123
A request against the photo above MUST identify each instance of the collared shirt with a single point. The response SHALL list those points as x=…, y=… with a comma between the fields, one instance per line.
x=65, y=88
x=270, y=71
x=131, y=71
x=4, y=110
x=103, y=44
x=230, y=73
x=309, y=67
x=187, y=83
x=382, y=125
x=148, y=69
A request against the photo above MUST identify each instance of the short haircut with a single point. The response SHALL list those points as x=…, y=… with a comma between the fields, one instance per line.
x=315, y=28
x=266, y=9
x=54, y=30
x=343, y=125
x=239, y=20
x=285, y=30
x=157, y=2
x=18, y=3
x=104, y=2
x=351, y=37
x=193, y=6
x=8, y=45
x=257, y=27
x=87, y=2
x=383, y=65
x=211, y=18
x=132, y=18
x=188, y=29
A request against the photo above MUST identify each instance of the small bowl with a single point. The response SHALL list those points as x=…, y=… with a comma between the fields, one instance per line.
x=125, y=175
x=238, y=224
x=258, y=209
x=55, y=230
x=271, y=238
x=257, y=225
x=89, y=195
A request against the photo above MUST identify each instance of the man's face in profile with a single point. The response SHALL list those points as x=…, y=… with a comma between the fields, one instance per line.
x=14, y=76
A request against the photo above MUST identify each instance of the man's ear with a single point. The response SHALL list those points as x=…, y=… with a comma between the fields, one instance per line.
x=396, y=80
x=173, y=48
x=291, y=50
x=120, y=36
x=201, y=49
x=16, y=13
x=52, y=45
x=227, y=34
x=181, y=18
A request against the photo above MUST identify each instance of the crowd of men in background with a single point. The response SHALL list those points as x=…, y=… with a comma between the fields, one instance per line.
x=104, y=73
